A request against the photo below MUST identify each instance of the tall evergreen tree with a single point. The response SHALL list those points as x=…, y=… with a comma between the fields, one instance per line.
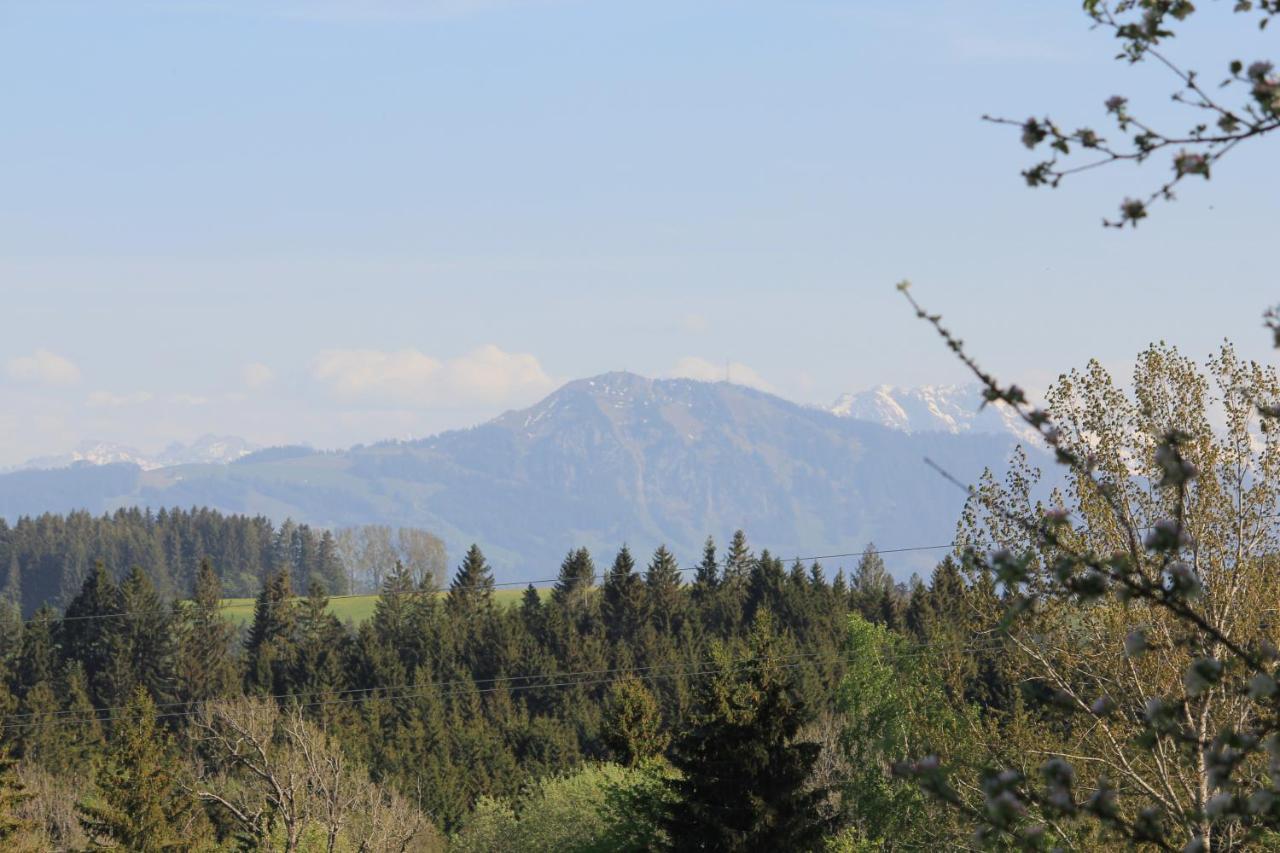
x=269, y=646
x=622, y=598
x=86, y=631
x=744, y=782
x=871, y=586
x=318, y=672
x=205, y=668
x=141, y=806
x=471, y=591
x=81, y=740
x=329, y=568
x=577, y=574
x=142, y=642
x=738, y=560
x=662, y=591
x=707, y=578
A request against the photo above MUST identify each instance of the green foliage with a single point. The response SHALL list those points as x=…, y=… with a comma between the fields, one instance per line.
x=633, y=722
x=579, y=813
x=744, y=773
x=140, y=805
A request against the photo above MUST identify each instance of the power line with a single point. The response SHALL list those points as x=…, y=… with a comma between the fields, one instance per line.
x=418, y=689
x=501, y=584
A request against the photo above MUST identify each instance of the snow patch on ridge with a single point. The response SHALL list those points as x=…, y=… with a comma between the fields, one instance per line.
x=932, y=408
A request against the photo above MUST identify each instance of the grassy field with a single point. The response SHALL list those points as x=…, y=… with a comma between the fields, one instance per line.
x=352, y=608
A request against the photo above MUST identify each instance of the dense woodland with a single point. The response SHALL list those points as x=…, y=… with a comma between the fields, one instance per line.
x=45, y=559
x=128, y=714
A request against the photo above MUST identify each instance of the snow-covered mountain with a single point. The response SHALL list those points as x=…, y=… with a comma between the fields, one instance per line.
x=932, y=408
x=205, y=450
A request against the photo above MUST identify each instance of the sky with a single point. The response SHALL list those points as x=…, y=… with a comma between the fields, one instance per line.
x=332, y=221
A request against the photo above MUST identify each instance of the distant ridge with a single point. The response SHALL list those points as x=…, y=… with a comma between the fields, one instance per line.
x=601, y=461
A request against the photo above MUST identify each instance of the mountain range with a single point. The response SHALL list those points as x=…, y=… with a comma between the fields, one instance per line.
x=601, y=461
x=210, y=449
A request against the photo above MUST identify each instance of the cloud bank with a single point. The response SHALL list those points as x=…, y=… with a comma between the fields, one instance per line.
x=488, y=375
x=43, y=367
x=693, y=367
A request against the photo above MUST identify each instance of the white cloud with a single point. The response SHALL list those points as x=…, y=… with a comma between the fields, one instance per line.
x=108, y=400
x=45, y=367
x=488, y=375
x=692, y=367
x=256, y=375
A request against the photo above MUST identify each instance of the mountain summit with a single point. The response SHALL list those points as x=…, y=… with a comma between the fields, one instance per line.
x=601, y=461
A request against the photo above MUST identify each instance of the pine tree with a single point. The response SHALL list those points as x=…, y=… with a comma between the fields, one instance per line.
x=141, y=806
x=744, y=775
x=206, y=669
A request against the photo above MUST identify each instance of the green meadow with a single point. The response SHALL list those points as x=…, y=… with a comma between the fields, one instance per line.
x=353, y=608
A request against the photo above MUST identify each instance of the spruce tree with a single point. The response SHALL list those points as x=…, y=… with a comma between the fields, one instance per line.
x=140, y=805
x=707, y=577
x=737, y=562
x=206, y=669
x=81, y=738
x=766, y=585
x=471, y=591
x=622, y=598
x=142, y=643
x=871, y=585
x=329, y=568
x=662, y=591
x=397, y=616
x=86, y=629
x=744, y=782
x=269, y=646
x=577, y=574
x=633, y=721
x=318, y=672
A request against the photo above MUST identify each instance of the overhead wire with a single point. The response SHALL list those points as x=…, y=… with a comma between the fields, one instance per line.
x=495, y=684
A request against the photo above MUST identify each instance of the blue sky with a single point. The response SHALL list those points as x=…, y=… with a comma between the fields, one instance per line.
x=338, y=221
